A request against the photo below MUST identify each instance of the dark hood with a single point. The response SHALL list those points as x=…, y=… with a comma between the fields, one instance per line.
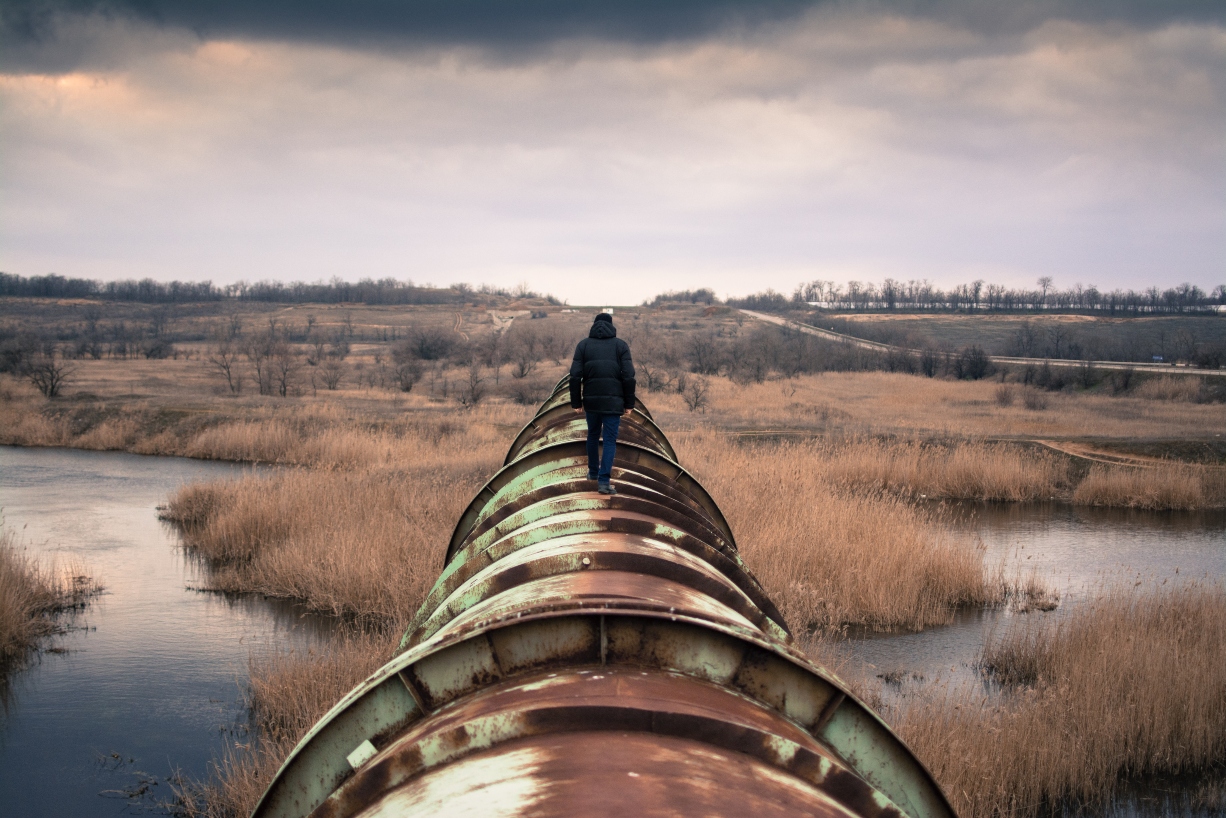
x=602, y=330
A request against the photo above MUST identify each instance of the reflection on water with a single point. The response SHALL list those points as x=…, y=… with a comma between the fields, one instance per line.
x=1077, y=551
x=152, y=675
x=1078, y=548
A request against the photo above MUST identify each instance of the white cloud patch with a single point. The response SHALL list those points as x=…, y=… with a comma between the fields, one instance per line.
x=845, y=146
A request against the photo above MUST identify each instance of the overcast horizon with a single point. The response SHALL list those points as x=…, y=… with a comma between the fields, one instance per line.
x=607, y=152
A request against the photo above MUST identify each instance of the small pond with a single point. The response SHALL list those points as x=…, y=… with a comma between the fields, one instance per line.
x=1075, y=551
x=151, y=675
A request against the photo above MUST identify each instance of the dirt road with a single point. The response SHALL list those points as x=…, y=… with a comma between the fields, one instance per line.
x=1165, y=369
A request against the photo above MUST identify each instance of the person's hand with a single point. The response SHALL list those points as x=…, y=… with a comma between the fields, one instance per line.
x=578, y=409
x=627, y=411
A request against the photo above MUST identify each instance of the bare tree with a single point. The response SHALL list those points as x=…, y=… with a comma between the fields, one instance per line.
x=331, y=372
x=407, y=373
x=472, y=389
x=695, y=394
x=555, y=344
x=318, y=350
x=48, y=372
x=705, y=354
x=428, y=343
x=654, y=378
x=224, y=359
x=284, y=364
x=338, y=346
x=259, y=351
x=525, y=349
x=1044, y=283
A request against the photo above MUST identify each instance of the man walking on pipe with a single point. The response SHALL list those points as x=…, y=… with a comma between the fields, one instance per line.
x=602, y=384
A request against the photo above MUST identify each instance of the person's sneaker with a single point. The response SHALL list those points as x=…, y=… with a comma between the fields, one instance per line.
x=605, y=488
x=591, y=477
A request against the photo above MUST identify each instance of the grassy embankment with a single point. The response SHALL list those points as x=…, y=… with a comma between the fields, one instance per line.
x=918, y=436
x=33, y=598
x=1132, y=685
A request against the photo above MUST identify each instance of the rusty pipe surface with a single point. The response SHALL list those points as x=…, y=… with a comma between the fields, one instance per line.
x=593, y=655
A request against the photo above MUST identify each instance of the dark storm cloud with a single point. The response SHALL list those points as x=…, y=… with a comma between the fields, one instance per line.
x=497, y=23
x=493, y=23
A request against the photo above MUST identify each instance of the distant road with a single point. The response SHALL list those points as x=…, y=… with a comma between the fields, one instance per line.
x=831, y=335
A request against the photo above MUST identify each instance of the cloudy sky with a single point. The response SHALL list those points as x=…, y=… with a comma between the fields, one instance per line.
x=606, y=151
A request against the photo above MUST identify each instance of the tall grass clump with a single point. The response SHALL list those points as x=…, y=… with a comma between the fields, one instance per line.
x=326, y=438
x=960, y=471
x=363, y=545
x=287, y=693
x=361, y=536
x=31, y=598
x=1170, y=485
x=318, y=435
x=1183, y=389
x=828, y=556
x=1131, y=684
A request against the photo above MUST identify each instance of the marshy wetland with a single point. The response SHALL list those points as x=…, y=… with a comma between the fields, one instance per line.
x=997, y=578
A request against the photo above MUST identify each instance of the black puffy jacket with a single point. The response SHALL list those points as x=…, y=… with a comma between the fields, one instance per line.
x=602, y=374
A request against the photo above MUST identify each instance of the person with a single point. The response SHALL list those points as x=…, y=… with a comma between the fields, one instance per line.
x=602, y=385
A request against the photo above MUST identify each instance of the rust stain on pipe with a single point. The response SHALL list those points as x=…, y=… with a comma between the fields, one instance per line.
x=592, y=655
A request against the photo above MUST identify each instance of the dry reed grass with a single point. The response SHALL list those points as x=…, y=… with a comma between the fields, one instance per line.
x=288, y=692
x=365, y=545
x=845, y=547
x=1130, y=685
x=31, y=598
x=960, y=471
x=1184, y=389
x=319, y=434
x=1165, y=486
x=830, y=556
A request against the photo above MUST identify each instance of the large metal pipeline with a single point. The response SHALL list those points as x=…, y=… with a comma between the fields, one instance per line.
x=593, y=655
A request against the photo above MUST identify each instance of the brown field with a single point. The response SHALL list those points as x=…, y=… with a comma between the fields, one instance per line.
x=876, y=430
x=1132, y=685
x=32, y=598
x=842, y=464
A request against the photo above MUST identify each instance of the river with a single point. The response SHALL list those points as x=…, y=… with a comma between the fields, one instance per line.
x=149, y=681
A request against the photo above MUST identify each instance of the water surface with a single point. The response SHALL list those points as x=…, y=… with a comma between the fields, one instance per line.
x=152, y=674
x=1076, y=551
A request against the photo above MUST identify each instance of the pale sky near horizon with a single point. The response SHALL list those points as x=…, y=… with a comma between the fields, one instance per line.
x=605, y=152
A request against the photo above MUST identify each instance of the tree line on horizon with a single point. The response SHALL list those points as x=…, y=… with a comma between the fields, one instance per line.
x=923, y=296
x=385, y=291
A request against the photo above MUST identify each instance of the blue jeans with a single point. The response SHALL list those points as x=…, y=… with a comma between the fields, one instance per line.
x=596, y=424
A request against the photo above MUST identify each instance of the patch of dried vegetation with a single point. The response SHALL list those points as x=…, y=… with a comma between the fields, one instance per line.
x=1165, y=486
x=32, y=598
x=362, y=542
x=288, y=692
x=1130, y=685
x=831, y=552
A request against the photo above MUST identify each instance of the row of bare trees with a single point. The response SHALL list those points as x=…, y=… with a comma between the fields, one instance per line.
x=275, y=364
x=426, y=352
